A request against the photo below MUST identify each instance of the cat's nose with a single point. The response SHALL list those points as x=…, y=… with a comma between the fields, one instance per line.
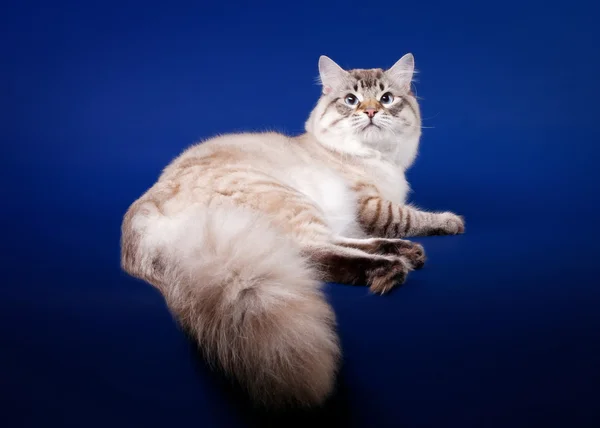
x=370, y=111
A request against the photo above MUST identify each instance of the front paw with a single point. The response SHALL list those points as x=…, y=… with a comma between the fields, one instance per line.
x=448, y=224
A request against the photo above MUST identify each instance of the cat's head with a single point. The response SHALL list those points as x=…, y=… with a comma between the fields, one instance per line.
x=365, y=109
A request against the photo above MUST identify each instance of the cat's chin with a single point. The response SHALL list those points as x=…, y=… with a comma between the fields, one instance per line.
x=374, y=135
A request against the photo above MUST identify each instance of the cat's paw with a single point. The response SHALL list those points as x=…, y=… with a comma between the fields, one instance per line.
x=412, y=251
x=415, y=255
x=382, y=279
x=448, y=224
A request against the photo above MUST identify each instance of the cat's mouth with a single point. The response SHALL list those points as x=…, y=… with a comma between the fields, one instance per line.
x=370, y=125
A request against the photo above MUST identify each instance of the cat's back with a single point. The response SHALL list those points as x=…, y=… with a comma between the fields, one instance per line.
x=258, y=149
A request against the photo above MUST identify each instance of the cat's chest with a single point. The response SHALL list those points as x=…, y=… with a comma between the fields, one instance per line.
x=331, y=193
x=390, y=180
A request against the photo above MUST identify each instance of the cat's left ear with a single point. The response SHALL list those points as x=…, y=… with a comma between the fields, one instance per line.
x=331, y=74
x=402, y=72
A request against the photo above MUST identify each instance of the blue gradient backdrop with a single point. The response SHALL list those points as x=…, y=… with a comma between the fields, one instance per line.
x=502, y=327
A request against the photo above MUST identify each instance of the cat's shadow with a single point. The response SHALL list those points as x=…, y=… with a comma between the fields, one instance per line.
x=335, y=412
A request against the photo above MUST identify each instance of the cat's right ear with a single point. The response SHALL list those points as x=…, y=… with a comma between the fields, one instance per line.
x=331, y=74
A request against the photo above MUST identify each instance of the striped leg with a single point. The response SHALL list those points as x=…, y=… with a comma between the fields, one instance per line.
x=413, y=251
x=352, y=266
x=384, y=218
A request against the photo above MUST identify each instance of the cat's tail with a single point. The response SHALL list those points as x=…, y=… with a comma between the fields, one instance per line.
x=244, y=293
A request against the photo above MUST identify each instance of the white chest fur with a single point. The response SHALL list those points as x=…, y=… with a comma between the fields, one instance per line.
x=331, y=193
x=390, y=180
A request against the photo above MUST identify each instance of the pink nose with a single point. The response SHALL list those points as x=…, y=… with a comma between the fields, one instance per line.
x=370, y=112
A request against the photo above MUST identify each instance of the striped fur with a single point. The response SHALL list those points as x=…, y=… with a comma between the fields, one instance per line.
x=384, y=218
x=239, y=232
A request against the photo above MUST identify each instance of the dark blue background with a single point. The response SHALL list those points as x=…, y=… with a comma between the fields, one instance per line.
x=502, y=327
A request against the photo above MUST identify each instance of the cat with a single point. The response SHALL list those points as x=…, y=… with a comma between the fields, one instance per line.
x=240, y=231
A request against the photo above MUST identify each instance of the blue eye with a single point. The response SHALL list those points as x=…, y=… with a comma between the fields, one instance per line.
x=351, y=100
x=387, y=98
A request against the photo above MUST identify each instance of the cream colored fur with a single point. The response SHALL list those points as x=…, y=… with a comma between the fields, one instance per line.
x=227, y=232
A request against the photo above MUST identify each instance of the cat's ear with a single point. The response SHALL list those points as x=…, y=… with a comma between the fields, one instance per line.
x=330, y=73
x=402, y=72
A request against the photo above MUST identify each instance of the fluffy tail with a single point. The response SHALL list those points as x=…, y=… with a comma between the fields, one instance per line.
x=244, y=293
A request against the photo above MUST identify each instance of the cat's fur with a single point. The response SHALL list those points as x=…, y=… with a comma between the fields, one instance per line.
x=240, y=231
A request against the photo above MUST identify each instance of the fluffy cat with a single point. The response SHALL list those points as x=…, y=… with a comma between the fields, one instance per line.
x=240, y=231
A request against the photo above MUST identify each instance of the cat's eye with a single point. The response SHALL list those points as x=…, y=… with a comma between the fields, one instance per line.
x=351, y=100
x=386, y=99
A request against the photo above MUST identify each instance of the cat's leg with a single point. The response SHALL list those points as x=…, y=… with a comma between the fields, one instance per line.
x=337, y=263
x=413, y=251
x=383, y=218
